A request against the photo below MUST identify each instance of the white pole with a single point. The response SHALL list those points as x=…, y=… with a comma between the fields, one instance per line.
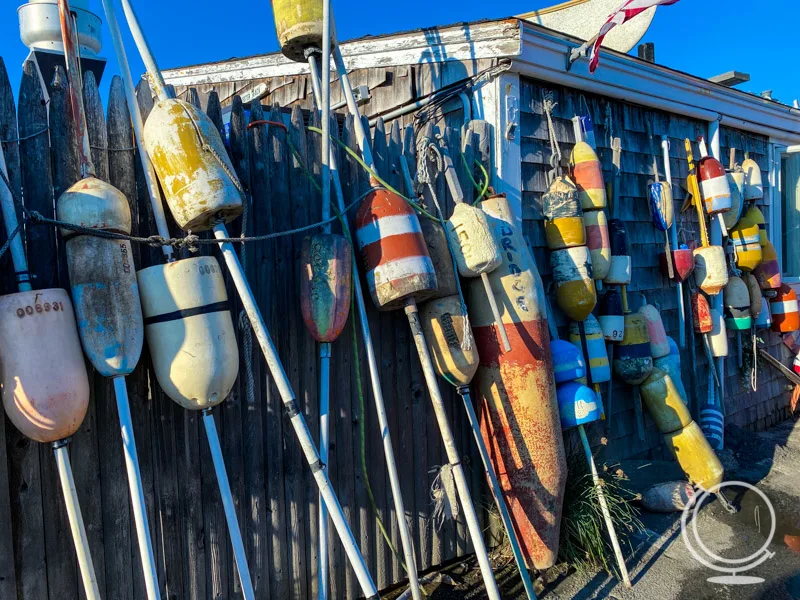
x=295, y=415
x=137, y=493
x=673, y=240
x=452, y=452
x=156, y=79
x=76, y=521
x=352, y=106
x=227, y=504
x=324, y=444
x=375, y=380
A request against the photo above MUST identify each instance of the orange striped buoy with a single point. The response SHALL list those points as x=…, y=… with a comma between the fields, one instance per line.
x=598, y=242
x=588, y=177
x=783, y=308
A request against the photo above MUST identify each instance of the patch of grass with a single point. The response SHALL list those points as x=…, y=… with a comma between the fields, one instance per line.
x=585, y=544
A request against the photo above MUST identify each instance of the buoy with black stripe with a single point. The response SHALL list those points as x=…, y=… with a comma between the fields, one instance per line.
x=632, y=359
x=768, y=272
x=611, y=316
x=753, y=185
x=755, y=215
x=745, y=236
x=563, y=215
x=572, y=275
x=714, y=187
x=619, y=271
x=599, y=369
x=588, y=177
x=736, y=298
x=783, y=308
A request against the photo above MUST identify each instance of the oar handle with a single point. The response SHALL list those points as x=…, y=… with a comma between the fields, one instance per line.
x=156, y=78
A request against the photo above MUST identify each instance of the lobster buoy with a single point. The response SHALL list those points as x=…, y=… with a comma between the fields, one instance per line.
x=714, y=186
x=659, y=344
x=189, y=157
x=450, y=339
x=710, y=269
x=577, y=405
x=588, y=177
x=598, y=242
x=701, y=314
x=746, y=243
x=783, y=308
x=662, y=209
x=474, y=246
x=611, y=317
x=753, y=186
x=682, y=263
x=667, y=497
x=671, y=365
x=572, y=275
x=563, y=216
x=325, y=281
x=796, y=364
x=103, y=277
x=755, y=215
x=664, y=402
x=299, y=27
x=595, y=347
x=764, y=318
x=718, y=338
x=45, y=386
x=736, y=299
x=189, y=331
x=736, y=185
x=393, y=249
x=528, y=453
x=768, y=272
x=632, y=359
x=695, y=456
x=619, y=270
x=754, y=291
x=568, y=363
x=439, y=252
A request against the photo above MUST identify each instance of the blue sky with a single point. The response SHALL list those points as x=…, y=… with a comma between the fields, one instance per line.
x=758, y=38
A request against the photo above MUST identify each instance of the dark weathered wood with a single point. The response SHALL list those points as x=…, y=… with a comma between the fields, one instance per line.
x=9, y=135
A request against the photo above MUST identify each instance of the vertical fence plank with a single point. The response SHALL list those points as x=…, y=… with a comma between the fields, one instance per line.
x=26, y=485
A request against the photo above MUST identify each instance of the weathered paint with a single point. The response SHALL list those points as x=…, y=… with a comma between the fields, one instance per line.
x=701, y=314
x=662, y=210
x=577, y=405
x=93, y=203
x=595, y=346
x=516, y=391
x=450, y=339
x=588, y=176
x=393, y=250
x=682, y=264
x=439, y=251
x=659, y=344
x=563, y=215
x=718, y=337
x=610, y=317
x=783, y=308
x=764, y=319
x=753, y=186
x=664, y=402
x=44, y=383
x=714, y=186
x=568, y=363
x=755, y=215
x=598, y=242
x=671, y=365
x=736, y=185
x=746, y=243
x=632, y=360
x=619, y=270
x=754, y=291
x=474, y=246
x=710, y=269
x=768, y=272
x=695, y=456
x=566, y=232
x=736, y=302
x=326, y=268
x=106, y=298
x=189, y=331
x=298, y=24
x=192, y=164
x=572, y=275
x=667, y=497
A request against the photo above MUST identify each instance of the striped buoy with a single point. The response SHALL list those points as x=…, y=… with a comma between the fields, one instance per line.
x=588, y=177
x=682, y=263
x=619, y=270
x=755, y=215
x=695, y=456
x=598, y=242
x=572, y=275
x=659, y=345
x=746, y=243
x=611, y=317
x=710, y=269
x=595, y=346
x=701, y=314
x=714, y=186
x=664, y=402
x=671, y=365
x=796, y=364
x=736, y=300
x=754, y=291
x=712, y=426
x=736, y=185
x=659, y=195
x=577, y=405
x=753, y=186
x=768, y=272
x=568, y=363
x=443, y=322
x=718, y=338
x=516, y=392
x=764, y=318
x=395, y=257
x=632, y=359
x=563, y=216
x=783, y=308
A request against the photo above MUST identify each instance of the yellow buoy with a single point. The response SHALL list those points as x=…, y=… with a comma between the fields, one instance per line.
x=588, y=177
x=572, y=275
x=746, y=241
x=695, y=456
x=449, y=337
x=563, y=216
x=664, y=402
x=298, y=24
x=755, y=215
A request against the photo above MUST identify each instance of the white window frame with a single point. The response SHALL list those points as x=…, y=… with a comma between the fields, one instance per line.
x=777, y=150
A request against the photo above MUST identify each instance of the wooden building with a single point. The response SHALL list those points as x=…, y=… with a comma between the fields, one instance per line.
x=498, y=71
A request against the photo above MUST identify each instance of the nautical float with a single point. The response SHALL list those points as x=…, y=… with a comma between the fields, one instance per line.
x=619, y=271
x=595, y=349
x=597, y=240
x=754, y=291
x=746, y=241
x=577, y=405
x=783, y=308
x=764, y=318
x=299, y=27
x=736, y=184
x=588, y=177
x=632, y=359
x=563, y=215
x=520, y=382
x=755, y=215
x=659, y=194
x=768, y=272
x=736, y=301
x=671, y=365
x=572, y=276
x=664, y=402
x=682, y=263
x=753, y=185
x=326, y=271
x=701, y=314
x=568, y=363
x=611, y=316
x=714, y=188
x=718, y=336
x=659, y=344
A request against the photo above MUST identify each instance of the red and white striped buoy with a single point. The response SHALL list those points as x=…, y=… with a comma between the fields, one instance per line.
x=783, y=308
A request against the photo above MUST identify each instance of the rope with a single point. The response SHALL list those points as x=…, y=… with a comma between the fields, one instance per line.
x=4, y=248
x=483, y=187
x=26, y=137
x=555, y=149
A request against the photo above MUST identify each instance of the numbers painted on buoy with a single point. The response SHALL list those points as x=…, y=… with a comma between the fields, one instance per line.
x=38, y=308
x=206, y=269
